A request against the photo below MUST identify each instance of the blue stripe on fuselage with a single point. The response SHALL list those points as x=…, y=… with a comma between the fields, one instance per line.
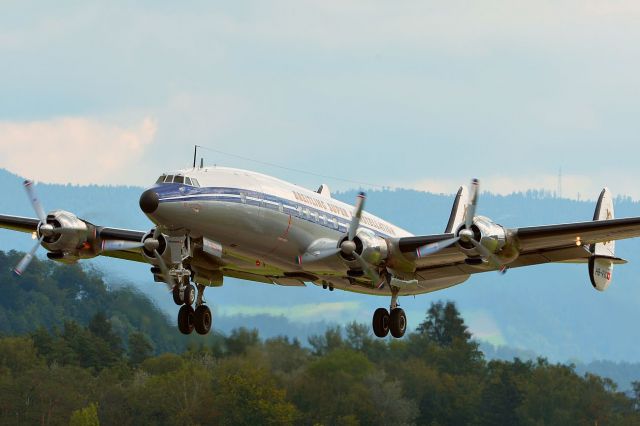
x=168, y=193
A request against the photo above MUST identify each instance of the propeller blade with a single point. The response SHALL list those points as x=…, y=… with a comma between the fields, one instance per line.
x=432, y=248
x=473, y=201
x=487, y=255
x=357, y=215
x=26, y=260
x=317, y=255
x=115, y=245
x=35, y=202
x=165, y=271
x=368, y=270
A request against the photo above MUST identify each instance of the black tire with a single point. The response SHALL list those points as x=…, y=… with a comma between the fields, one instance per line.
x=398, y=323
x=186, y=319
x=189, y=295
x=203, y=319
x=176, y=295
x=381, y=322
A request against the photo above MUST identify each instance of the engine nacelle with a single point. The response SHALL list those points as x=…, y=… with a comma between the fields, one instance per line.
x=162, y=248
x=372, y=248
x=492, y=236
x=488, y=233
x=72, y=238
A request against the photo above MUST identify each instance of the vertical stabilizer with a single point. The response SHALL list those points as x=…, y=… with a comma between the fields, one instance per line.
x=458, y=210
x=604, y=211
x=602, y=254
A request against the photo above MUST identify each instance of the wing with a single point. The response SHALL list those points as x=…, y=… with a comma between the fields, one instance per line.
x=102, y=234
x=571, y=242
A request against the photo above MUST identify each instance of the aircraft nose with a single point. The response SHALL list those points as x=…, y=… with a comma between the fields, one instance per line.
x=149, y=201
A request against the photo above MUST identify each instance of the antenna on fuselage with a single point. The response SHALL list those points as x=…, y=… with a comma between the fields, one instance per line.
x=195, y=155
x=201, y=162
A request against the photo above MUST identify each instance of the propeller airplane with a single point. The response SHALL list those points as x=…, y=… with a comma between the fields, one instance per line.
x=216, y=222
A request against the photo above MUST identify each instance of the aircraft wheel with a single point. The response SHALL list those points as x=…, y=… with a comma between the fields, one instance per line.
x=381, y=321
x=398, y=323
x=203, y=319
x=186, y=319
x=176, y=295
x=189, y=295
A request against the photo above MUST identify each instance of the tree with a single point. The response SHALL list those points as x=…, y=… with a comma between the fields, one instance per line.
x=139, y=348
x=444, y=324
x=247, y=394
x=101, y=327
x=330, y=341
x=87, y=416
x=241, y=339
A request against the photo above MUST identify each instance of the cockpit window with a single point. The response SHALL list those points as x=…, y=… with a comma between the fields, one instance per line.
x=178, y=179
x=168, y=179
x=187, y=181
x=195, y=182
x=161, y=179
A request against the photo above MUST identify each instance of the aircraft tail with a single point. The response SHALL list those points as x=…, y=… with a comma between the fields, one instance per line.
x=458, y=210
x=603, y=254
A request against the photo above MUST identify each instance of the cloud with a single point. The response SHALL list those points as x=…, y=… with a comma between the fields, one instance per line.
x=304, y=312
x=74, y=149
x=483, y=326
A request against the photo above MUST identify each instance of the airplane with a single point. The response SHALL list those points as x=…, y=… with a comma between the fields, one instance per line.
x=216, y=222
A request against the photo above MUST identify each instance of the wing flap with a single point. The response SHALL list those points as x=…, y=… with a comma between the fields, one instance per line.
x=567, y=254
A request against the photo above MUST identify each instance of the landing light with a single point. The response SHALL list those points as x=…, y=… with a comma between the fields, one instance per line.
x=578, y=241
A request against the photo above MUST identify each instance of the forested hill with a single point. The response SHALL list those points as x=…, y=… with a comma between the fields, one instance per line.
x=73, y=351
x=49, y=295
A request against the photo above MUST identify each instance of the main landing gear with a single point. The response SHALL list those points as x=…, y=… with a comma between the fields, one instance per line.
x=189, y=319
x=394, y=322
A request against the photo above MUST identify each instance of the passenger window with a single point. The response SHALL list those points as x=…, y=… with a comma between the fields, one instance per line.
x=195, y=182
x=178, y=179
x=161, y=179
x=187, y=181
x=168, y=179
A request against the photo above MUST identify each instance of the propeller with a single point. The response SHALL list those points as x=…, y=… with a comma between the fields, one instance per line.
x=24, y=262
x=466, y=234
x=44, y=229
x=348, y=246
x=152, y=244
x=168, y=279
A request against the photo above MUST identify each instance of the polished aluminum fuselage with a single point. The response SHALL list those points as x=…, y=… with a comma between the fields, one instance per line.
x=264, y=224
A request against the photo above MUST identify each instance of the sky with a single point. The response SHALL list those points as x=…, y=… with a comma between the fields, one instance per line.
x=411, y=94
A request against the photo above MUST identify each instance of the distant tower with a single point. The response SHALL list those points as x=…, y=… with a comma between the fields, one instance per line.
x=559, y=190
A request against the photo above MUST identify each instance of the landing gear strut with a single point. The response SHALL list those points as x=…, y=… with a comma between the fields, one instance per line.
x=394, y=322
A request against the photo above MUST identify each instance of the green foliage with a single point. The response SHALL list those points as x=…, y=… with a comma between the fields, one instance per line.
x=87, y=416
x=444, y=325
x=49, y=295
x=139, y=348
